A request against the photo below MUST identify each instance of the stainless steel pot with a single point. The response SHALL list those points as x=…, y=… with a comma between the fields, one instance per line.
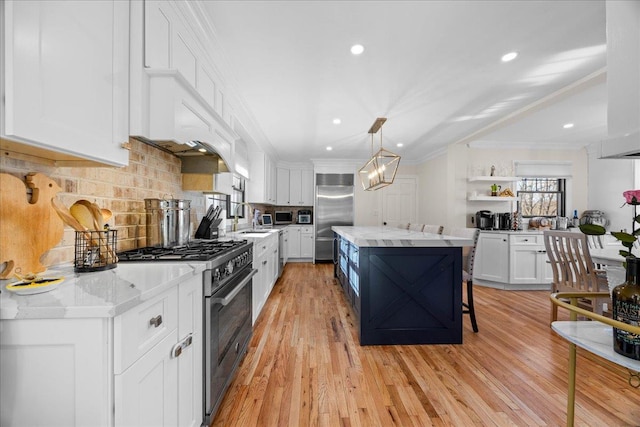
x=168, y=222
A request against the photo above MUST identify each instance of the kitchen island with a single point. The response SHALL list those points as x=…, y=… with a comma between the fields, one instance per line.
x=405, y=287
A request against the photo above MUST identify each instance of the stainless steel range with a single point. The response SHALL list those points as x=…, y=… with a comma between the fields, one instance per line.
x=227, y=290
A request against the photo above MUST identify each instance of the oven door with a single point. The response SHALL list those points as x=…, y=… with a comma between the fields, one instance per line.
x=227, y=332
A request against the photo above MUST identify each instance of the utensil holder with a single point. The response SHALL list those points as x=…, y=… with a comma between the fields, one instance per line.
x=95, y=250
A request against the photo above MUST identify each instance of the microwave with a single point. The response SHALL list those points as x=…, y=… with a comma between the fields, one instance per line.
x=283, y=217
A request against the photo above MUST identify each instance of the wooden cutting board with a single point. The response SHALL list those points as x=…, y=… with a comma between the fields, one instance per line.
x=29, y=226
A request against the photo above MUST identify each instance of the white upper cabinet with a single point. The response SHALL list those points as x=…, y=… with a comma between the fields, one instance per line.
x=283, y=185
x=66, y=80
x=295, y=187
x=262, y=185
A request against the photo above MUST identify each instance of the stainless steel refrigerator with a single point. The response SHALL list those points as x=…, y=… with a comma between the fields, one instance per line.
x=334, y=206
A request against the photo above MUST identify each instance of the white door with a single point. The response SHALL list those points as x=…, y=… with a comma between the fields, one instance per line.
x=399, y=202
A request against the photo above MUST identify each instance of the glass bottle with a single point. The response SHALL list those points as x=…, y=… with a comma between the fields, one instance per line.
x=626, y=308
x=575, y=220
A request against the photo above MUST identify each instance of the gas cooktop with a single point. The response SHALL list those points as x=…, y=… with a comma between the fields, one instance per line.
x=195, y=250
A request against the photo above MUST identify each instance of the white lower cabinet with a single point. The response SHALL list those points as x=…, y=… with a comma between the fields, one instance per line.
x=512, y=260
x=266, y=261
x=143, y=367
x=300, y=243
x=528, y=260
x=147, y=392
x=55, y=372
x=492, y=258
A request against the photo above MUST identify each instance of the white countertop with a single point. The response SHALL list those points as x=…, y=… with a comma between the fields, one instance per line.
x=396, y=237
x=98, y=294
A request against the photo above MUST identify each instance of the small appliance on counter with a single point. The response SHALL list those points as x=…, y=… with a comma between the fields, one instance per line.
x=484, y=220
x=304, y=217
x=504, y=220
x=283, y=217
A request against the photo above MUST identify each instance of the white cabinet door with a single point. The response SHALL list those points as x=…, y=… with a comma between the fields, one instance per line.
x=190, y=367
x=524, y=265
x=295, y=185
x=306, y=245
x=307, y=188
x=282, y=182
x=146, y=394
x=261, y=187
x=55, y=372
x=66, y=75
x=528, y=260
x=492, y=258
x=301, y=187
x=293, y=248
x=284, y=248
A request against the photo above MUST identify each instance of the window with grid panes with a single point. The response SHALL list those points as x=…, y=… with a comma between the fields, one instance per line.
x=541, y=197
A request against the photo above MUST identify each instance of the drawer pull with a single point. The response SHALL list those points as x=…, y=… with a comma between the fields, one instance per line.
x=177, y=349
x=156, y=321
x=264, y=262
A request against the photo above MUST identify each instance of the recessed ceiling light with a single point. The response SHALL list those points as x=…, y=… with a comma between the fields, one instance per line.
x=357, y=49
x=329, y=148
x=509, y=56
x=202, y=150
x=399, y=144
x=337, y=121
x=568, y=125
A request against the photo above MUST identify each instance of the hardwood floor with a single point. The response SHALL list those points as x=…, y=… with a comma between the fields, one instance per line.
x=305, y=367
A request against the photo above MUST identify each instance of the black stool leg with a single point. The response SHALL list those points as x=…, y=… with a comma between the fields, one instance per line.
x=469, y=305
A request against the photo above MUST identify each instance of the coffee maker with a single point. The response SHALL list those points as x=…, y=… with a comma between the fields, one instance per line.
x=504, y=220
x=485, y=220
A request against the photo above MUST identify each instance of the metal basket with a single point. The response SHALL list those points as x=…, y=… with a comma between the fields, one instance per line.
x=95, y=250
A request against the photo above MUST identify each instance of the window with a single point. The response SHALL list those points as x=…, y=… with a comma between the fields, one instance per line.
x=236, y=198
x=541, y=197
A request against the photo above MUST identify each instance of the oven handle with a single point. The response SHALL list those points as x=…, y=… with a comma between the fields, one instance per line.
x=231, y=295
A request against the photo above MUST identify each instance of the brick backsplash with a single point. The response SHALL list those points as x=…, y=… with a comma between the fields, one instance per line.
x=151, y=173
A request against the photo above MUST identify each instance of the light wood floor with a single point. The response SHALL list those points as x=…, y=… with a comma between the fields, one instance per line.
x=305, y=367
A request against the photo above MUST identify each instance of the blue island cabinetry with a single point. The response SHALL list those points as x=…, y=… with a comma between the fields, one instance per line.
x=402, y=294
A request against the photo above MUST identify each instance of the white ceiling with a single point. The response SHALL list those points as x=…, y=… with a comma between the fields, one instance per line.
x=432, y=68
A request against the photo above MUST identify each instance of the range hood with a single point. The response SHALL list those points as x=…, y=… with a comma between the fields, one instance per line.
x=623, y=80
x=623, y=147
x=197, y=156
x=177, y=119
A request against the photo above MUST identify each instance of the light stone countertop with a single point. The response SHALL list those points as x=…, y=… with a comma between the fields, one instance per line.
x=97, y=294
x=396, y=237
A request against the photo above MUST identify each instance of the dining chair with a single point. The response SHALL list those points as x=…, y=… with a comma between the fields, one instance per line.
x=573, y=269
x=433, y=229
x=416, y=227
x=469, y=254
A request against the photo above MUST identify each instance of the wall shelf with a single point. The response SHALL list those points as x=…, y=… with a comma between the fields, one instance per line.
x=494, y=178
x=492, y=199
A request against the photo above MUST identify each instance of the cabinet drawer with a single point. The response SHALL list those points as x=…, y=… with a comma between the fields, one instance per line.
x=307, y=229
x=526, y=239
x=142, y=327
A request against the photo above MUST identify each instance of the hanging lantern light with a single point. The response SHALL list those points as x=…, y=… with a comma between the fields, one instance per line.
x=381, y=169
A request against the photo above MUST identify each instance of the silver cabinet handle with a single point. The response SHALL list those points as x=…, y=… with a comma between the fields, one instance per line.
x=176, y=350
x=156, y=321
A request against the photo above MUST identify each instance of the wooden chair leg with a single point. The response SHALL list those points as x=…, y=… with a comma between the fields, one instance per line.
x=469, y=305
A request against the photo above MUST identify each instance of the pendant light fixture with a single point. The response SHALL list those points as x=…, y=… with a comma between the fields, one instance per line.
x=381, y=169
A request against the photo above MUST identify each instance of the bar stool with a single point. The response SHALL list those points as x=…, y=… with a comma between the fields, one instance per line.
x=467, y=272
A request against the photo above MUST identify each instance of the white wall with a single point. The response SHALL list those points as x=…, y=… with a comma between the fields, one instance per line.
x=445, y=188
x=608, y=179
